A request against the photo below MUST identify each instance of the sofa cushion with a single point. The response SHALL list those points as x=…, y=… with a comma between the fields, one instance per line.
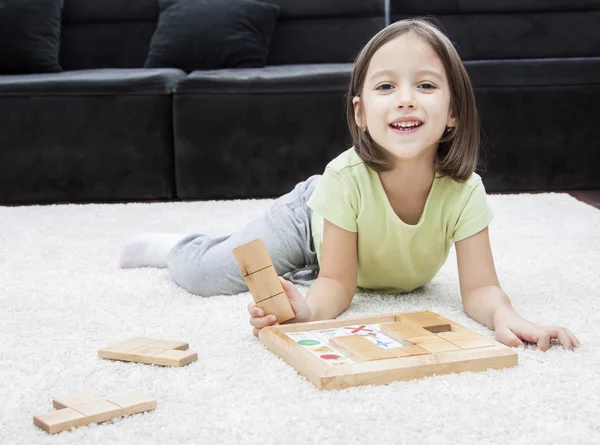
x=30, y=36
x=478, y=6
x=93, y=82
x=271, y=79
x=210, y=34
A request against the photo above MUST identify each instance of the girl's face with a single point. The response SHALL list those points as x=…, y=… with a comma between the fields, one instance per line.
x=405, y=101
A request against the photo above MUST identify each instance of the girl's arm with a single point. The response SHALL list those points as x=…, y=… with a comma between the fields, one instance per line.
x=333, y=290
x=485, y=301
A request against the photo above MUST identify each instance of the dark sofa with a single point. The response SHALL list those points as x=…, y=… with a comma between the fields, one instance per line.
x=107, y=129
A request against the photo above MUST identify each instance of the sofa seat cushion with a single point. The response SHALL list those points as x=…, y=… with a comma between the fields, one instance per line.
x=271, y=79
x=491, y=7
x=92, y=82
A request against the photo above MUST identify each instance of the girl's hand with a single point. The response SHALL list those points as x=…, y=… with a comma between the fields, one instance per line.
x=259, y=320
x=512, y=330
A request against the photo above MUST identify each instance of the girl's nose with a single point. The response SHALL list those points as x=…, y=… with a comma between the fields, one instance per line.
x=405, y=98
x=405, y=101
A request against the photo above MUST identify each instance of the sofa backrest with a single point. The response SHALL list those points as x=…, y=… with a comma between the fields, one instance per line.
x=117, y=33
x=106, y=33
x=324, y=31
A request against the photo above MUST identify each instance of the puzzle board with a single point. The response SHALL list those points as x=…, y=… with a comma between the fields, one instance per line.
x=336, y=354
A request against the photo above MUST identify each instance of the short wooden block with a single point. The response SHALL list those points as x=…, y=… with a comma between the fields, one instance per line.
x=457, y=335
x=409, y=351
x=427, y=339
x=353, y=343
x=404, y=333
x=94, y=410
x=264, y=284
x=374, y=354
x=252, y=256
x=279, y=305
x=150, y=351
x=436, y=347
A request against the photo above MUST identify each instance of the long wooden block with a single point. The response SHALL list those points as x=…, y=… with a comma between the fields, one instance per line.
x=264, y=284
x=150, y=351
x=262, y=280
x=80, y=410
x=252, y=256
x=279, y=305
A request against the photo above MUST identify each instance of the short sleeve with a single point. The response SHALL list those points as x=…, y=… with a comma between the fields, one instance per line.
x=476, y=213
x=335, y=200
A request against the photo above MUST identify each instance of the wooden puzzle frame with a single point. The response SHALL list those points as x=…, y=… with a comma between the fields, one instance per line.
x=432, y=345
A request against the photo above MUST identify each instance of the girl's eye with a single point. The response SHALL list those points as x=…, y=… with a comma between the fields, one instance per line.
x=385, y=86
x=427, y=86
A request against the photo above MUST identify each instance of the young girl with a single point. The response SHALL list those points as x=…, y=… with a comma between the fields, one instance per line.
x=385, y=213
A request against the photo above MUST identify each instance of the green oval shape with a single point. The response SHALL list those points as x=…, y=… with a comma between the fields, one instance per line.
x=309, y=342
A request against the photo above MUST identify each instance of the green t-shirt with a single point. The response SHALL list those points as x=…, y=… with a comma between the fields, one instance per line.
x=395, y=257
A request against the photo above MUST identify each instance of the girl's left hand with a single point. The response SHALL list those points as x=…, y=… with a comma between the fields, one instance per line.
x=512, y=330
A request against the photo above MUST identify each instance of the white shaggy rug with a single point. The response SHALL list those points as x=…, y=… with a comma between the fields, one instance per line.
x=62, y=297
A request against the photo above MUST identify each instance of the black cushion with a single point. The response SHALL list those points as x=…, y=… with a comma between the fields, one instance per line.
x=30, y=36
x=211, y=34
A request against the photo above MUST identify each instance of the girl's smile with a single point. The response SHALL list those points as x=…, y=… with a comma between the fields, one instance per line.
x=406, y=125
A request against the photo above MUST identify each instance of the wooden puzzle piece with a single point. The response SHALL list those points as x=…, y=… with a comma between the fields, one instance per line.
x=358, y=347
x=262, y=280
x=83, y=409
x=150, y=351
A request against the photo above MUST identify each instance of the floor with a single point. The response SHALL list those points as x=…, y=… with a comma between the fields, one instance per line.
x=591, y=197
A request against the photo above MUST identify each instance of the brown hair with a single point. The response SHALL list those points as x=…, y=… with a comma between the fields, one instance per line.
x=458, y=151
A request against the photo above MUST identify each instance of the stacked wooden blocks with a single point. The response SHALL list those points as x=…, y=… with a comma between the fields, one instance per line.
x=262, y=280
x=150, y=351
x=83, y=409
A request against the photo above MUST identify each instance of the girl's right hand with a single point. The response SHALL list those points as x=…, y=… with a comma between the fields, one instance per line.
x=259, y=320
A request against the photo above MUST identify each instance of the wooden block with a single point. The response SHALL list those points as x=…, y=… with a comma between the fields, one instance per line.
x=95, y=411
x=74, y=400
x=409, y=351
x=252, y=256
x=427, y=339
x=174, y=357
x=457, y=335
x=264, y=284
x=436, y=347
x=262, y=280
x=279, y=305
x=168, y=353
x=473, y=343
x=353, y=343
x=374, y=354
x=132, y=402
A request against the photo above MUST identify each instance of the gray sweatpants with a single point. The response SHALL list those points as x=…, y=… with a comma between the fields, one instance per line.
x=205, y=265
